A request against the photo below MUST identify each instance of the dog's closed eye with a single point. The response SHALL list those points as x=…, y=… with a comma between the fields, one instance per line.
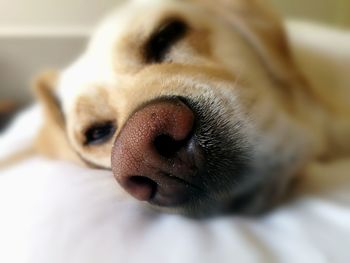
x=161, y=41
x=99, y=133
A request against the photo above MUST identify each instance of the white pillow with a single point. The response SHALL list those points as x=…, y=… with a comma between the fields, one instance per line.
x=54, y=211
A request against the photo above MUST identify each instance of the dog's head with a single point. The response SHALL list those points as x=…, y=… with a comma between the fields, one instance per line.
x=190, y=103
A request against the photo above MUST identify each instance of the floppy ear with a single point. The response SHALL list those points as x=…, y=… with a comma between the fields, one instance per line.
x=263, y=30
x=52, y=140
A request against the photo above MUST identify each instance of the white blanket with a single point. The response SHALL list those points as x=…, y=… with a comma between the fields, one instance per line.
x=53, y=211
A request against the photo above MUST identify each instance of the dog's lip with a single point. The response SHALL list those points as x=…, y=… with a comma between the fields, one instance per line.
x=173, y=191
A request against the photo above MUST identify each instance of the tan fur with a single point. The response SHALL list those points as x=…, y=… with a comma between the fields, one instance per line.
x=52, y=139
x=16, y=158
x=263, y=30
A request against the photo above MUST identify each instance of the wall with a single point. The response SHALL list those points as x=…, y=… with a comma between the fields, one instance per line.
x=82, y=13
x=52, y=13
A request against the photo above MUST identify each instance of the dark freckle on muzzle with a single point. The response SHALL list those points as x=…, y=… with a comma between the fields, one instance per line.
x=155, y=157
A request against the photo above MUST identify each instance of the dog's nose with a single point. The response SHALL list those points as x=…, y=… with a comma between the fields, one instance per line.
x=155, y=156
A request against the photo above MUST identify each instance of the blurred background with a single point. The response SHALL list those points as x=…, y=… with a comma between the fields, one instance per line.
x=41, y=34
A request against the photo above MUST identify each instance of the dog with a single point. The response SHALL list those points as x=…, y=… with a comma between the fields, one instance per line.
x=196, y=106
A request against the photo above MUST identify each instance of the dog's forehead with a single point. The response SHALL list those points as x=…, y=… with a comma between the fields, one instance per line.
x=134, y=15
x=95, y=67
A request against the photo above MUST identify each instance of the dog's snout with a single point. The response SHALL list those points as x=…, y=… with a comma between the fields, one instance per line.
x=155, y=156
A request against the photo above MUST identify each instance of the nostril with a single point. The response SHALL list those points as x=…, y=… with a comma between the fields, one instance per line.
x=141, y=187
x=167, y=146
x=152, y=156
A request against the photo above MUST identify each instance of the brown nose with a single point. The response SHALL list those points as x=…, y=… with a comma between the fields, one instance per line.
x=155, y=156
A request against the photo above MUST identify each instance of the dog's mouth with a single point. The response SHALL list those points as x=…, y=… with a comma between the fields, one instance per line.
x=184, y=154
x=225, y=171
x=171, y=191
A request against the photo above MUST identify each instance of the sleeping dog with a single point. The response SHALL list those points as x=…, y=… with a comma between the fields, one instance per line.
x=196, y=106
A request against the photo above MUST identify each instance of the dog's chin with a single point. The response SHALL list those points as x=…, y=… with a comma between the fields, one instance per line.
x=252, y=202
x=250, y=198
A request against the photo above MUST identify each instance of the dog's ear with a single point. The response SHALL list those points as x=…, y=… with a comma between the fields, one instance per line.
x=52, y=140
x=44, y=89
x=263, y=29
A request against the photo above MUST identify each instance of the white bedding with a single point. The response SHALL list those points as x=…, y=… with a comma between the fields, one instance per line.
x=53, y=211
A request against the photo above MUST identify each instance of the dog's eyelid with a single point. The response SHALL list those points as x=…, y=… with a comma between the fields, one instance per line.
x=161, y=40
x=99, y=133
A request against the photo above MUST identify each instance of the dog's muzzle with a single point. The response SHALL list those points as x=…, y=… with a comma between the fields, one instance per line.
x=155, y=157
